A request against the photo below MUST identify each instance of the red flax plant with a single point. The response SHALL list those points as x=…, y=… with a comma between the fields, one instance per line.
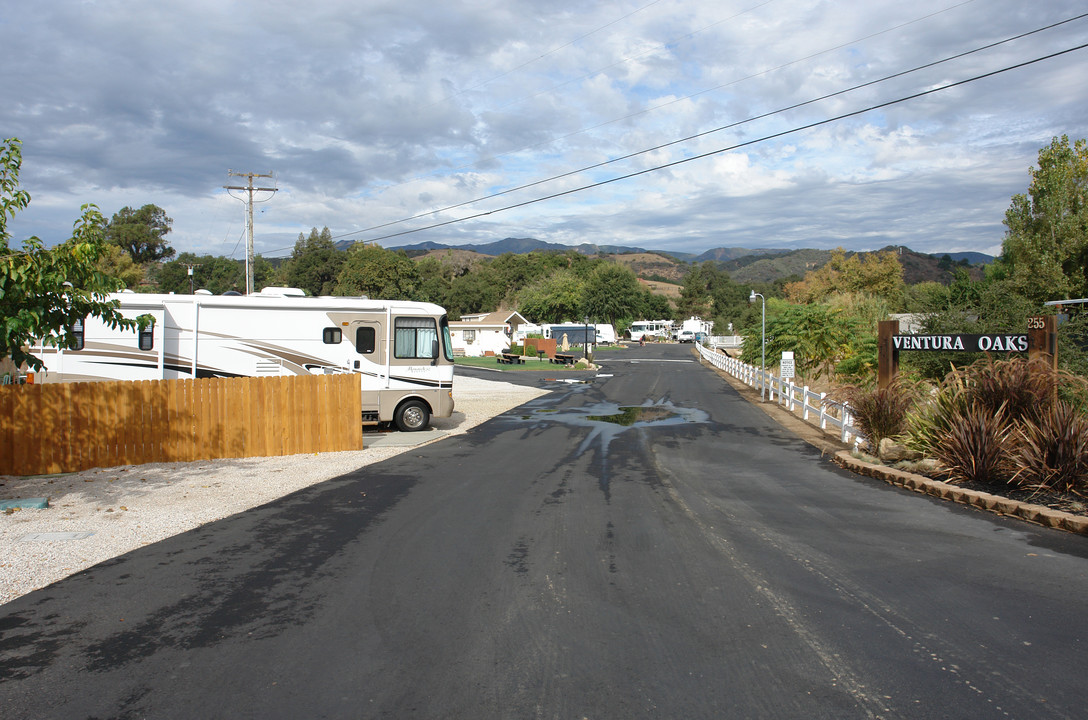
x=878, y=412
x=1053, y=449
x=973, y=422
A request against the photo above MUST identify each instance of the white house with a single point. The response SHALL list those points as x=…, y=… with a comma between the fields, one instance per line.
x=485, y=333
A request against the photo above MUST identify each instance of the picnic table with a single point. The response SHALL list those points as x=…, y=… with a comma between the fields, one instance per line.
x=509, y=358
x=563, y=359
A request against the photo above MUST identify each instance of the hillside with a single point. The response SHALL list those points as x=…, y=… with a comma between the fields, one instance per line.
x=765, y=269
x=751, y=265
x=652, y=265
x=457, y=258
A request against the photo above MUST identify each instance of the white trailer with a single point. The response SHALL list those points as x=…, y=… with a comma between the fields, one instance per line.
x=401, y=350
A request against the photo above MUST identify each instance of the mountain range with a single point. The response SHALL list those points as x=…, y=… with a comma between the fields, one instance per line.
x=724, y=255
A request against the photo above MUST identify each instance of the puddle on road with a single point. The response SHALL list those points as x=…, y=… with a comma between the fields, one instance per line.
x=631, y=416
x=608, y=420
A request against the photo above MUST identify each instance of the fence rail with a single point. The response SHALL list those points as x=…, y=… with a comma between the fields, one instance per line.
x=67, y=427
x=813, y=407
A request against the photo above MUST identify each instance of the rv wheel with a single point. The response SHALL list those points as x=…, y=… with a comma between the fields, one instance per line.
x=411, y=416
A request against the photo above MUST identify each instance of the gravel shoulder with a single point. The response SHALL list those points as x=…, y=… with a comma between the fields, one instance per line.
x=124, y=508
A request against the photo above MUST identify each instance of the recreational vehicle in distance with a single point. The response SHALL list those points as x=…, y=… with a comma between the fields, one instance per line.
x=649, y=330
x=401, y=351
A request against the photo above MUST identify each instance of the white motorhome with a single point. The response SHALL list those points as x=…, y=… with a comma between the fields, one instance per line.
x=401, y=350
x=649, y=330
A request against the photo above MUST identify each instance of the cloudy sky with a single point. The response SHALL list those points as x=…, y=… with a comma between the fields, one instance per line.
x=388, y=117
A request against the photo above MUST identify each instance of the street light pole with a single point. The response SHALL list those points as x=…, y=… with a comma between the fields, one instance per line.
x=762, y=346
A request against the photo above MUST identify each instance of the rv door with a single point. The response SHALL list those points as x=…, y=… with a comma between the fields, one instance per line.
x=368, y=341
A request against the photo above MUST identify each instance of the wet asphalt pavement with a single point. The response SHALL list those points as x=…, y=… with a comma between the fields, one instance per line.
x=646, y=545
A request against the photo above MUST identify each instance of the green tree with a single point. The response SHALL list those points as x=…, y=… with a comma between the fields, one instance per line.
x=879, y=274
x=474, y=292
x=215, y=274
x=141, y=233
x=373, y=271
x=44, y=291
x=612, y=292
x=820, y=337
x=315, y=263
x=553, y=299
x=117, y=263
x=1046, y=242
x=653, y=307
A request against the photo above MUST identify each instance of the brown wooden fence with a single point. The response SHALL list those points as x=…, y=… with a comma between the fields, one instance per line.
x=66, y=427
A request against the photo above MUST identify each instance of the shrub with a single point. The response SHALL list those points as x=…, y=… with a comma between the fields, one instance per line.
x=1019, y=386
x=1053, y=449
x=929, y=422
x=977, y=447
x=878, y=412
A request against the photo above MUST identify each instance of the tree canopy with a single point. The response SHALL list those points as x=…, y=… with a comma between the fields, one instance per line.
x=315, y=264
x=1046, y=243
x=373, y=271
x=141, y=233
x=44, y=291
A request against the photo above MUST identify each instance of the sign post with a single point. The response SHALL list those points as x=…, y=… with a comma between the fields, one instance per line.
x=787, y=367
x=887, y=357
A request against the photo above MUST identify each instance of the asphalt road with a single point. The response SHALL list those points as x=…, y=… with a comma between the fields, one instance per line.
x=696, y=562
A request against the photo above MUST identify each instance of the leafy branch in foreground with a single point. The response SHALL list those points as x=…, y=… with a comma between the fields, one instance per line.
x=44, y=291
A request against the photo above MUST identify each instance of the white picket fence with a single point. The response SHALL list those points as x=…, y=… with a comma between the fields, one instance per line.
x=812, y=406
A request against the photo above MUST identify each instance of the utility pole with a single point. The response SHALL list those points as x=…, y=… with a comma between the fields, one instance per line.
x=249, y=217
x=191, y=276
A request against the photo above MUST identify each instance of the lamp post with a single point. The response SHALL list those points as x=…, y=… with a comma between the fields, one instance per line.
x=762, y=347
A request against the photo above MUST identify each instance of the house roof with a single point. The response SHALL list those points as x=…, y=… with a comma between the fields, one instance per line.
x=498, y=318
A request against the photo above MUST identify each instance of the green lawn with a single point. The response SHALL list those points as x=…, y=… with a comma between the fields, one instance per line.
x=531, y=363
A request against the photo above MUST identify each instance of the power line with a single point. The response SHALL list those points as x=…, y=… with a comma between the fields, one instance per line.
x=685, y=97
x=714, y=130
x=765, y=138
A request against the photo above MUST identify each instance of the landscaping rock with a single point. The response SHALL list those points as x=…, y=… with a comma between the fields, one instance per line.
x=893, y=452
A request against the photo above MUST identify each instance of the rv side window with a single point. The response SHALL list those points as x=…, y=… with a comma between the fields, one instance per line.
x=364, y=340
x=415, y=338
x=76, y=333
x=147, y=337
x=332, y=336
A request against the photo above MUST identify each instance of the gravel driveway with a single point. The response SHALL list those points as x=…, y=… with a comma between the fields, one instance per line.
x=115, y=510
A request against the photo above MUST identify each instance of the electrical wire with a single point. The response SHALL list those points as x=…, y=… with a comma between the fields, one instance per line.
x=714, y=130
x=704, y=91
x=719, y=151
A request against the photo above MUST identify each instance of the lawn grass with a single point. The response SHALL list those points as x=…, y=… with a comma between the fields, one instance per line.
x=531, y=363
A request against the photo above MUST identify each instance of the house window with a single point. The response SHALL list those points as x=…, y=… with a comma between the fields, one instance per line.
x=470, y=336
x=364, y=340
x=76, y=333
x=332, y=336
x=147, y=337
x=415, y=338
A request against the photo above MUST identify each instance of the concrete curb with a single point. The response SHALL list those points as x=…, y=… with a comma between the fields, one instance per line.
x=1038, y=514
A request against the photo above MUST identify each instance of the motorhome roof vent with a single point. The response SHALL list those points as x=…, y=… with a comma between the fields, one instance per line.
x=202, y=291
x=283, y=292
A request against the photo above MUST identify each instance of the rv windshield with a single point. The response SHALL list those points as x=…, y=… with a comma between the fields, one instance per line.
x=447, y=341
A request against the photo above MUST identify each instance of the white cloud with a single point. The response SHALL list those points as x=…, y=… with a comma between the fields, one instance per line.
x=370, y=112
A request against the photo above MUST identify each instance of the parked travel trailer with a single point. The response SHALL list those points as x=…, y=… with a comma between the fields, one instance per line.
x=401, y=351
x=698, y=325
x=606, y=334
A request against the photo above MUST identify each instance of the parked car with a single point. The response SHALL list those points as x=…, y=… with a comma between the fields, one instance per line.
x=686, y=336
x=700, y=337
